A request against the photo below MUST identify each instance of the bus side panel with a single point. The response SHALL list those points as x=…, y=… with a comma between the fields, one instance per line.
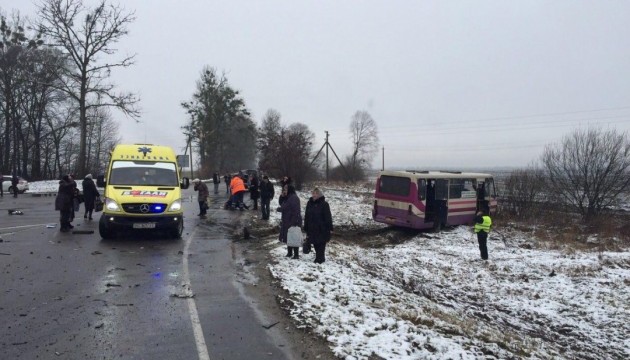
x=461, y=211
x=395, y=210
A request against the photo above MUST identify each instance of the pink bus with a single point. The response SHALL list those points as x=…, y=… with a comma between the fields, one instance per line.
x=432, y=199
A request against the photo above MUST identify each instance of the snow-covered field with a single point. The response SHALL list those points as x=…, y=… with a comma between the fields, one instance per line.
x=429, y=295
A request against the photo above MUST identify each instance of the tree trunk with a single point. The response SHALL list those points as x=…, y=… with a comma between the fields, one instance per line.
x=80, y=166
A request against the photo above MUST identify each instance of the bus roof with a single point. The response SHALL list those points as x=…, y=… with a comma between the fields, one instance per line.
x=431, y=174
x=147, y=152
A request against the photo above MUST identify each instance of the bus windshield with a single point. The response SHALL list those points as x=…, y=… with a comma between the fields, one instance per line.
x=395, y=185
x=145, y=173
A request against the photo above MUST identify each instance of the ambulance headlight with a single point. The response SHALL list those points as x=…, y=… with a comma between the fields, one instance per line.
x=176, y=205
x=111, y=205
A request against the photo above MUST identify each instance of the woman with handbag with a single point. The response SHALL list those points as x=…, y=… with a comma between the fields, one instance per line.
x=318, y=224
x=291, y=223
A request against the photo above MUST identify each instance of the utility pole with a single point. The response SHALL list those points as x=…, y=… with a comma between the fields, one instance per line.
x=382, y=169
x=327, y=145
x=326, y=156
x=191, y=158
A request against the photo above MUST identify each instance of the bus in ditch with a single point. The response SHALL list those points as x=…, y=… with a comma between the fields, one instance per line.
x=432, y=199
x=142, y=191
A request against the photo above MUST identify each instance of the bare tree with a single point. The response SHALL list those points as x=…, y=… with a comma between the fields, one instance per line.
x=589, y=169
x=523, y=190
x=87, y=34
x=364, y=135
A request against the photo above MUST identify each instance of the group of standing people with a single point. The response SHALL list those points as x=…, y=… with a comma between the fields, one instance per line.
x=317, y=223
x=69, y=198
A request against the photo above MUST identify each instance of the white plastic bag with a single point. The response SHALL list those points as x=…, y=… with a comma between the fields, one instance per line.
x=294, y=236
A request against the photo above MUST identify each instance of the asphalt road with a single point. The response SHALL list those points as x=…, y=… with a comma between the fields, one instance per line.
x=76, y=296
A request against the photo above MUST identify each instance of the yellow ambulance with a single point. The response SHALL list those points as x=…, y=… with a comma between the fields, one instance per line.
x=142, y=191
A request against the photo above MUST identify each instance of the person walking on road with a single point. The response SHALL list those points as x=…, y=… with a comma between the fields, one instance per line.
x=202, y=196
x=291, y=216
x=14, y=183
x=216, y=181
x=483, y=222
x=318, y=224
x=64, y=202
x=254, y=191
x=90, y=193
x=266, y=195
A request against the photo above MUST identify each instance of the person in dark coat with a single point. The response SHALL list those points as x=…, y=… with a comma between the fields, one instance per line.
x=64, y=202
x=90, y=193
x=318, y=224
x=254, y=191
x=267, y=193
x=228, y=179
x=202, y=197
x=14, y=182
x=216, y=181
x=291, y=216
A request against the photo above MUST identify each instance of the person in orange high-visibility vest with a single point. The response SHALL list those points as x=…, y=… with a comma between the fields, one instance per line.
x=237, y=186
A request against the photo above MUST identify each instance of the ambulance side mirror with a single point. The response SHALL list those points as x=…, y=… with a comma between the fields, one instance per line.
x=100, y=181
x=185, y=183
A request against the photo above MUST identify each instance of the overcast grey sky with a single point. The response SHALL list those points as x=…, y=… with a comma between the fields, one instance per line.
x=450, y=83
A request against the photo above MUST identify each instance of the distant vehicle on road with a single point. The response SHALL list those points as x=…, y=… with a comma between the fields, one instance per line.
x=432, y=199
x=7, y=187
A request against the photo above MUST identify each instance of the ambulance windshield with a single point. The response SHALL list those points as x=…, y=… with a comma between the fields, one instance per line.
x=143, y=173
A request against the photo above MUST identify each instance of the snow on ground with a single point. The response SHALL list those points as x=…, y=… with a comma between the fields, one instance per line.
x=47, y=186
x=431, y=297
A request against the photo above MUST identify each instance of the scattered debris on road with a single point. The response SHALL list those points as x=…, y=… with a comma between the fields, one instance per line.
x=271, y=325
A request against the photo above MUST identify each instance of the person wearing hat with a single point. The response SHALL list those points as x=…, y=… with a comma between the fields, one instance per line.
x=90, y=193
x=202, y=197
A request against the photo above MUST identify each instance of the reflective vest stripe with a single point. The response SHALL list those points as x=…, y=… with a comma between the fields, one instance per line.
x=485, y=226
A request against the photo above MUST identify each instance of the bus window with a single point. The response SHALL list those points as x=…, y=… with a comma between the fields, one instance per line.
x=395, y=185
x=422, y=189
x=468, y=190
x=490, y=190
x=441, y=189
x=456, y=187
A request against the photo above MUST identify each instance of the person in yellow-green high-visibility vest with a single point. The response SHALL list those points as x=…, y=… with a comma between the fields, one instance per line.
x=483, y=222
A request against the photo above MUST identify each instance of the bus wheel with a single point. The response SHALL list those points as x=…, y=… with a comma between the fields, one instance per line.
x=104, y=230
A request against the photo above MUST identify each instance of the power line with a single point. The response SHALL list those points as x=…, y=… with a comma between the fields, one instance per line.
x=499, y=128
x=506, y=118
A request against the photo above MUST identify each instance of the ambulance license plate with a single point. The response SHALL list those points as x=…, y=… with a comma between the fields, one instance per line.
x=144, y=225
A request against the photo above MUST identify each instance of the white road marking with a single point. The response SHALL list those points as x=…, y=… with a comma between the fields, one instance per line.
x=202, y=349
x=23, y=226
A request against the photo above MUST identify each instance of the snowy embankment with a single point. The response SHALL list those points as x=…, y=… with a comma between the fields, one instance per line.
x=431, y=297
x=50, y=187
x=46, y=186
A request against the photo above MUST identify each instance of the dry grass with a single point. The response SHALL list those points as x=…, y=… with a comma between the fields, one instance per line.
x=560, y=230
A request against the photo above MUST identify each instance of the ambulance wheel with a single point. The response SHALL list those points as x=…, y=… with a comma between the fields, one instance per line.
x=178, y=230
x=104, y=230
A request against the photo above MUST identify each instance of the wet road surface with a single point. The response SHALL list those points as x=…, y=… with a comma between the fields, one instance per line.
x=76, y=296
